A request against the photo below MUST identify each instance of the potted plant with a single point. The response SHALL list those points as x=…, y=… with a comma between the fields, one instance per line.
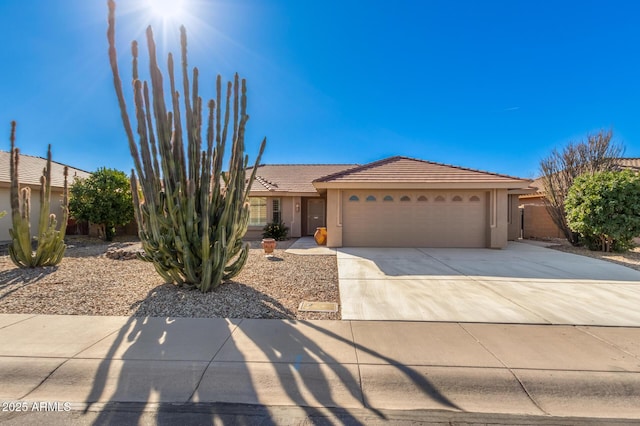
x=276, y=230
x=268, y=245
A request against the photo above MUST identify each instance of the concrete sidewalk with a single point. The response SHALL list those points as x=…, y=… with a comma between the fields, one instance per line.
x=347, y=369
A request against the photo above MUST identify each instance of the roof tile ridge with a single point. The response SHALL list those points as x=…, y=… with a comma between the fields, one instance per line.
x=267, y=184
x=358, y=168
x=44, y=159
x=466, y=168
x=305, y=164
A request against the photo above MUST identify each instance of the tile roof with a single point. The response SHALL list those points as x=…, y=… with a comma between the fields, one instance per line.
x=629, y=163
x=537, y=189
x=30, y=169
x=410, y=170
x=623, y=163
x=294, y=178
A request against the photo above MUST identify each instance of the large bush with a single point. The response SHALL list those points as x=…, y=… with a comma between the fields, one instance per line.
x=604, y=209
x=598, y=153
x=103, y=198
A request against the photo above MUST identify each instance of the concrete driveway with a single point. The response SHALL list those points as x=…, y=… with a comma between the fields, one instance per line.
x=522, y=284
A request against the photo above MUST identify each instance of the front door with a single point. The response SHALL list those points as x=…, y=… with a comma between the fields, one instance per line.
x=315, y=214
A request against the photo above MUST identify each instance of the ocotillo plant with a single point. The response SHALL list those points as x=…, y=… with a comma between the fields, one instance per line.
x=192, y=214
x=50, y=240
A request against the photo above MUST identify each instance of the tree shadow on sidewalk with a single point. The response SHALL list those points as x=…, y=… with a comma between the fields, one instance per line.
x=180, y=362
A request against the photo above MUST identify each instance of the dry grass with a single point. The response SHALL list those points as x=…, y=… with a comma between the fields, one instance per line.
x=88, y=283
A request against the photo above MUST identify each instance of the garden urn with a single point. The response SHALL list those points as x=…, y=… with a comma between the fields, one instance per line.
x=321, y=236
x=268, y=244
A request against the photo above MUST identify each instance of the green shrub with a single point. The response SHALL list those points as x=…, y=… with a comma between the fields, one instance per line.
x=103, y=198
x=276, y=230
x=594, y=243
x=603, y=209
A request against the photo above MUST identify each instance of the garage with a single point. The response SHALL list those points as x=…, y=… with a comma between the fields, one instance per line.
x=397, y=218
x=404, y=202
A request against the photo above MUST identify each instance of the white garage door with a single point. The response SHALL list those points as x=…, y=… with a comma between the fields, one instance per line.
x=392, y=218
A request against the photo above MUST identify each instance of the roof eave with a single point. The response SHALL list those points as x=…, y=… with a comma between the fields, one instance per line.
x=33, y=186
x=532, y=195
x=522, y=191
x=511, y=185
x=253, y=193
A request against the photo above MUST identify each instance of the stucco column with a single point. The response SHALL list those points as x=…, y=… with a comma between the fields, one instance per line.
x=498, y=218
x=334, y=218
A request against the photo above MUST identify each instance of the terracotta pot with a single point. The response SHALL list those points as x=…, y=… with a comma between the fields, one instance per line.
x=321, y=236
x=268, y=245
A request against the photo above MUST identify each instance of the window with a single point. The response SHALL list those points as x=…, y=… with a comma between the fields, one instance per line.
x=371, y=198
x=405, y=198
x=354, y=198
x=439, y=198
x=387, y=198
x=457, y=198
x=257, y=211
x=474, y=198
x=422, y=198
x=276, y=215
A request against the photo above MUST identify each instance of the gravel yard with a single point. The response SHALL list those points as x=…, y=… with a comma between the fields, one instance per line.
x=87, y=282
x=630, y=259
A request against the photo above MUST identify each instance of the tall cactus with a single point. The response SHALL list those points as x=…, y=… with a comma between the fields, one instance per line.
x=192, y=215
x=50, y=248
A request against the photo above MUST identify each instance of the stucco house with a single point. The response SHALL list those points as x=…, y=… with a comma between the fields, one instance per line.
x=394, y=202
x=536, y=221
x=29, y=172
x=286, y=192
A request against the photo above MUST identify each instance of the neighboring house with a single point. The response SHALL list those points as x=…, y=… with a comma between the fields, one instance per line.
x=29, y=171
x=395, y=202
x=536, y=221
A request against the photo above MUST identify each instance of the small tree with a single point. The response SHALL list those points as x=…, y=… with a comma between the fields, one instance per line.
x=603, y=207
x=103, y=198
x=597, y=153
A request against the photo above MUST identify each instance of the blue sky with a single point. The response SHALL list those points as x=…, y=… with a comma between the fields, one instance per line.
x=491, y=85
